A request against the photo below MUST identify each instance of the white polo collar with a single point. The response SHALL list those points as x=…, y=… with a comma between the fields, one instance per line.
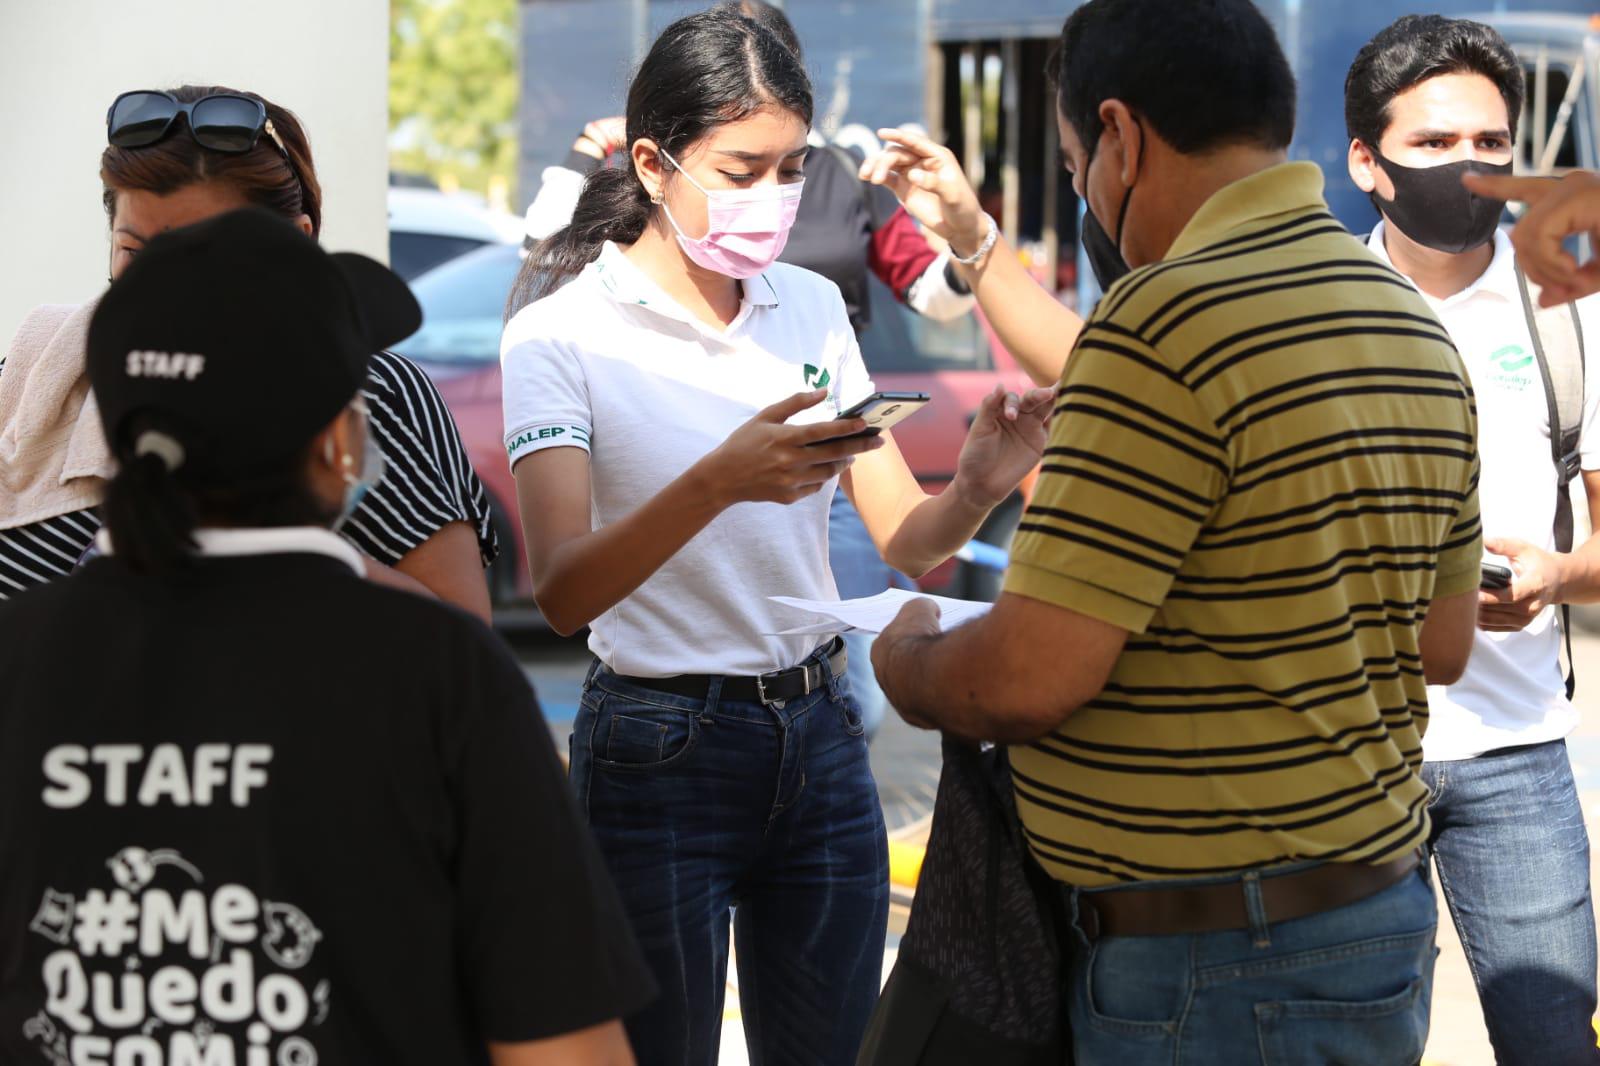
x=1500, y=279
x=627, y=284
x=284, y=540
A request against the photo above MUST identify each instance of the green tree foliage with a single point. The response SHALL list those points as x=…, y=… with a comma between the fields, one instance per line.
x=453, y=89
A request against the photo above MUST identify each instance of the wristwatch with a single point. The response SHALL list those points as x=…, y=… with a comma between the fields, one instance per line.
x=983, y=249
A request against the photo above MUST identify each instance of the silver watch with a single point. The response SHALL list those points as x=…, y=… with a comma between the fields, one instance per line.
x=983, y=249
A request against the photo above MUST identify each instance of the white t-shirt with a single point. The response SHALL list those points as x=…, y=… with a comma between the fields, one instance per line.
x=611, y=364
x=1513, y=692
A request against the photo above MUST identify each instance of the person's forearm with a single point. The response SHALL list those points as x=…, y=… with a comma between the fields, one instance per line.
x=1580, y=573
x=933, y=528
x=1034, y=327
x=957, y=683
x=590, y=574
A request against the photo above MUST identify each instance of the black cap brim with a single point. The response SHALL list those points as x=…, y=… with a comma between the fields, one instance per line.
x=389, y=312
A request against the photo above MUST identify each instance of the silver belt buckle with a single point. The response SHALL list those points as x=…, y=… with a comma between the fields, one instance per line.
x=761, y=685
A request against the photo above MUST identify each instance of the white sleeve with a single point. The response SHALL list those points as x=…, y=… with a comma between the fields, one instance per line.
x=1589, y=431
x=545, y=393
x=931, y=295
x=557, y=200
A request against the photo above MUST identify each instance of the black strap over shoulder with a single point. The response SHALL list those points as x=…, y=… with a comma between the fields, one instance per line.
x=1563, y=394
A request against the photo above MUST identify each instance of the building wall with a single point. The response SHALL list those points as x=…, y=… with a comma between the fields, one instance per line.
x=577, y=59
x=63, y=61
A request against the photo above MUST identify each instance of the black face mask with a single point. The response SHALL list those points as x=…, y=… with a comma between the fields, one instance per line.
x=1103, y=251
x=1433, y=208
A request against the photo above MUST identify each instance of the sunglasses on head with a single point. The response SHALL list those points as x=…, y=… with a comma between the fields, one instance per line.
x=223, y=122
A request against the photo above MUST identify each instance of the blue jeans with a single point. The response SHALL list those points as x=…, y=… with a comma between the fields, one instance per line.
x=1513, y=861
x=702, y=807
x=1347, y=986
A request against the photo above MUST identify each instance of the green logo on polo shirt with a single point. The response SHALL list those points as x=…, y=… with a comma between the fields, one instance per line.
x=1511, y=365
x=1511, y=358
x=816, y=377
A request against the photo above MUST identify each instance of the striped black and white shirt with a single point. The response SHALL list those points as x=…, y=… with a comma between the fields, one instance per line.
x=427, y=483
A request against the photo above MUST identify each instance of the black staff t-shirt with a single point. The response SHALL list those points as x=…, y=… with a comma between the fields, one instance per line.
x=269, y=813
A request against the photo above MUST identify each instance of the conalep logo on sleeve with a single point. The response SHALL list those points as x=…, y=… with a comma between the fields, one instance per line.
x=542, y=434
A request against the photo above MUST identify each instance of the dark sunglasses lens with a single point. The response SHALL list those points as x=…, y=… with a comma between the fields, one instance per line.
x=227, y=123
x=139, y=119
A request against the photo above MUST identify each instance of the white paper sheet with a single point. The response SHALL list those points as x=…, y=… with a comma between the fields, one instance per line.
x=874, y=613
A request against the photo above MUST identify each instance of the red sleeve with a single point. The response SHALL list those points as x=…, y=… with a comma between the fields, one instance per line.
x=899, y=253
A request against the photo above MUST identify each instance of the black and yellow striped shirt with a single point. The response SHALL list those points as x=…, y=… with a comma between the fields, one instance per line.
x=1263, y=466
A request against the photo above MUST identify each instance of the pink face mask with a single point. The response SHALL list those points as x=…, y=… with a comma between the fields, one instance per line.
x=746, y=228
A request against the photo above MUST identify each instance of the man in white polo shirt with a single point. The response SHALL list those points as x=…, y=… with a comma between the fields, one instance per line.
x=1426, y=101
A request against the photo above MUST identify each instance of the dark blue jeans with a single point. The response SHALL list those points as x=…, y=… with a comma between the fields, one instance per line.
x=1349, y=986
x=1513, y=860
x=706, y=807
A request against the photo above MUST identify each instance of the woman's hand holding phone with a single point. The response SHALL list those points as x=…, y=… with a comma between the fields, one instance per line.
x=768, y=460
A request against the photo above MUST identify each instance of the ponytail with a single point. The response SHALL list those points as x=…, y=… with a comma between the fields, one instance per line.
x=613, y=206
x=155, y=502
x=150, y=519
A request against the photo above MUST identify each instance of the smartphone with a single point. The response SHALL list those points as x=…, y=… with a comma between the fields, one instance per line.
x=1495, y=576
x=882, y=410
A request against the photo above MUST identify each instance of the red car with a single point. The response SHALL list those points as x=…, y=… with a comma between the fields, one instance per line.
x=956, y=363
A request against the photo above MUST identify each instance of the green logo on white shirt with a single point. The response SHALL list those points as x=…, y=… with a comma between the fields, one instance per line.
x=816, y=377
x=1511, y=365
x=1511, y=358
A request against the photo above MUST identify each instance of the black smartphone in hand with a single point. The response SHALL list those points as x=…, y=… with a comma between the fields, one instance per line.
x=881, y=411
x=1495, y=577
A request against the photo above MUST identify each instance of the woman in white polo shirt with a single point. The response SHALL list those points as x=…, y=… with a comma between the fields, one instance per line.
x=663, y=409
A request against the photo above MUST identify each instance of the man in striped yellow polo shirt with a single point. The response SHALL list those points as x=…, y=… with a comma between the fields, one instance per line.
x=1254, y=542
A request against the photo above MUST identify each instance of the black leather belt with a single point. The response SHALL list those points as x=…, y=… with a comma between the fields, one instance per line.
x=1217, y=908
x=789, y=684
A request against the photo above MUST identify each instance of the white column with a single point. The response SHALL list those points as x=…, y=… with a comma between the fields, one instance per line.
x=63, y=61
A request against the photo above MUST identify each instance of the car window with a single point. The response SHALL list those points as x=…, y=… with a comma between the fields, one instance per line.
x=463, y=302
x=900, y=341
x=413, y=254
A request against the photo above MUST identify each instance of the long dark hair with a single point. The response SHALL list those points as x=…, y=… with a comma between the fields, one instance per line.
x=704, y=71
x=262, y=175
x=152, y=512
x=772, y=18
